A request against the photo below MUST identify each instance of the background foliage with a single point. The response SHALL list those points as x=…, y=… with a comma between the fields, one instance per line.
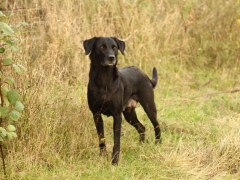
x=195, y=46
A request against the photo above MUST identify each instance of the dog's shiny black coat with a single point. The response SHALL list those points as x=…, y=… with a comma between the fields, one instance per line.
x=113, y=91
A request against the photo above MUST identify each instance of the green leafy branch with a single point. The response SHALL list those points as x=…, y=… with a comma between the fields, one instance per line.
x=10, y=104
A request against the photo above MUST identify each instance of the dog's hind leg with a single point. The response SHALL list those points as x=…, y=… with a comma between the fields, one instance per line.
x=131, y=117
x=150, y=108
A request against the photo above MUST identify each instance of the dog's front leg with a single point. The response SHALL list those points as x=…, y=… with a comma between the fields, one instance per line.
x=117, y=133
x=100, y=131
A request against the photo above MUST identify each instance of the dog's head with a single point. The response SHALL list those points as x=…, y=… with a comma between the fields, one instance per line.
x=105, y=48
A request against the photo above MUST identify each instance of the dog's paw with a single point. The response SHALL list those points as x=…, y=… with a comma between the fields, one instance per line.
x=158, y=141
x=103, y=151
x=141, y=138
x=114, y=164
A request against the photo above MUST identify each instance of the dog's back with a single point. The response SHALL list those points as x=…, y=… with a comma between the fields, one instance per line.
x=136, y=75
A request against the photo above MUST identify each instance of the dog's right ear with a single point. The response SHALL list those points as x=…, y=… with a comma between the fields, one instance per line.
x=88, y=45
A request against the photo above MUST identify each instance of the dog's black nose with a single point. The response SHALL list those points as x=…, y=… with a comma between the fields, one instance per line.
x=111, y=57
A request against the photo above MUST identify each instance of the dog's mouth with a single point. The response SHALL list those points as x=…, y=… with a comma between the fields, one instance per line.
x=107, y=63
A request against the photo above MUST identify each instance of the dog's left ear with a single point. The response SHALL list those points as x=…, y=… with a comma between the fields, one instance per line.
x=88, y=45
x=121, y=44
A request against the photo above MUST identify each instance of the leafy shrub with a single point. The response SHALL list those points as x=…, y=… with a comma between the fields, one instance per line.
x=10, y=104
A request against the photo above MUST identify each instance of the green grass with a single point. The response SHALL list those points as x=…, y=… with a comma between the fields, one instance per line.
x=200, y=131
x=195, y=47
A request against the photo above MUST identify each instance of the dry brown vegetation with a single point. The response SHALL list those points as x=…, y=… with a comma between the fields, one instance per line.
x=195, y=46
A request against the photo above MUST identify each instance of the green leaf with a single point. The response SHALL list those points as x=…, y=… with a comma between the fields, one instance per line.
x=11, y=135
x=4, y=111
x=1, y=14
x=6, y=29
x=22, y=67
x=9, y=81
x=7, y=61
x=17, y=69
x=4, y=90
x=11, y=128
x=14, y=134
x=14, y=115
x=2, y=129
x=12, y=96
x=19, y=106
x=14, y=48
x=9, y=42
x=3, y=132
x=3, y=17
x=24, y=24
x=1, y=139
x=2, y=49
x=15, y=40
x=12, y=43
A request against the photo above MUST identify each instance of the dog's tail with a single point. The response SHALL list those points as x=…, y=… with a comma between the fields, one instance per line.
x=154, y=77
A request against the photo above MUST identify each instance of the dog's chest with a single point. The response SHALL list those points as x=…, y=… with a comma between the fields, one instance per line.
x=101, y=93
x=105, y=104
x=103, y=100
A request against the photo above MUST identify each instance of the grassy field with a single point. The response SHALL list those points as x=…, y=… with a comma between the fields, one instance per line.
x=195, y=46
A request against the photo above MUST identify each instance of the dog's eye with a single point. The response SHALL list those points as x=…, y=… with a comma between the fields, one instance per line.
x=114, y=48
x=102, y=47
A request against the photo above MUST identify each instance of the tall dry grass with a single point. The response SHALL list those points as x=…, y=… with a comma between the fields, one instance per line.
x=176, y=36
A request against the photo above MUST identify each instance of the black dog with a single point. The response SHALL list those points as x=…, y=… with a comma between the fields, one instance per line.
x=112, y=92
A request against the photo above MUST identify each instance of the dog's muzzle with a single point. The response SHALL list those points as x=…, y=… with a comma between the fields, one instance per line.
x=110, y=61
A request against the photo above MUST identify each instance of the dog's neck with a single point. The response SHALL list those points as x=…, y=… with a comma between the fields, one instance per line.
x=103, y=76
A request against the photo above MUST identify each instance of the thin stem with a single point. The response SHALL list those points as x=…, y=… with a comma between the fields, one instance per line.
x=1, y=94
x=1, y=119
x=3, y=45
x=3, y=161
